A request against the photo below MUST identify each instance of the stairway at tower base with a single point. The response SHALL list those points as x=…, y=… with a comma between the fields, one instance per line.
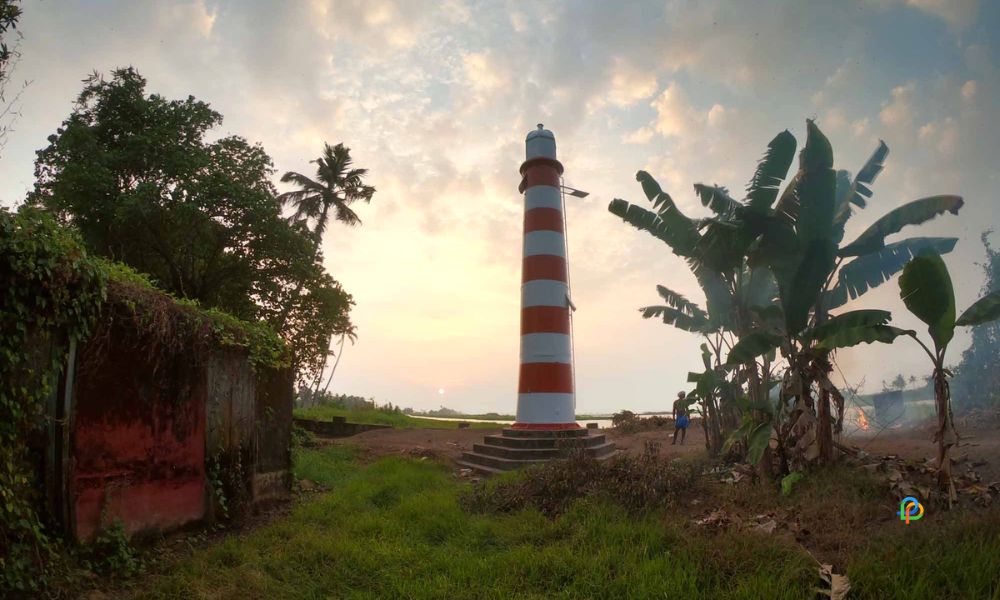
x=516, y=448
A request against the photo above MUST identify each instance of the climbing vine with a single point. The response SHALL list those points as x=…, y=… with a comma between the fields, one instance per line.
x=50, y=293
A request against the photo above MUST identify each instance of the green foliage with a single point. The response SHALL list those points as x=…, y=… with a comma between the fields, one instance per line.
x=768, y=273
x=10, y=14
x=383, y=416
x=977, y=380
x=135, y=174
x=872, y=270
x=50, y=293
x=788, y=482
x=912, y=213
x=772, y=169
x=182, y=324
x=853, y=328
x=638, y=483
x=752, y=345
x=396, y=528
x=860, y=192
x=336, y=187
x=984, y=310
x=864, y=334
x=926, y=289
x=895, y=566
x=757, y=442
x=110, y=554
x=679, y=312
x=854, y=318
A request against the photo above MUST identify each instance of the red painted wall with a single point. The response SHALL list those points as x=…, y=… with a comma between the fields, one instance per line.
x=138, y=442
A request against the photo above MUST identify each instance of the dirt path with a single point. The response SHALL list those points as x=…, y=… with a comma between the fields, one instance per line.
x=981, y=443
x=450, y=443
x=438, y=443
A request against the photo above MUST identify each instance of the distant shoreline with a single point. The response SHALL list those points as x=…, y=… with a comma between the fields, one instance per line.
x=499, y=417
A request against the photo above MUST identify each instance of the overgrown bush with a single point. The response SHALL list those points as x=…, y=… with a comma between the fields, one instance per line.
x=302, y=438
x=111, y=554
x=627, y=421
x=639, y=483
x=50, y=293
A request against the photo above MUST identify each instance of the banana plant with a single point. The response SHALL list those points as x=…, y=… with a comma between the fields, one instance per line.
x=715, y=249
x=789, y=243
x=926, y=289
x=797, y=428
x=800, y=243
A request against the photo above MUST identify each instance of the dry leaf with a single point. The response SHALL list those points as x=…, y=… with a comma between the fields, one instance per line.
x=840, y=585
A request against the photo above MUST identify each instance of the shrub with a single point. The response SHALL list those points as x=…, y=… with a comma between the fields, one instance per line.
x=639, y=483
x=112, y=554
x=627, y=421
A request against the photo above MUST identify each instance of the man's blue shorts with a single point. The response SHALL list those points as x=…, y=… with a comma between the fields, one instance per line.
x=682, y=422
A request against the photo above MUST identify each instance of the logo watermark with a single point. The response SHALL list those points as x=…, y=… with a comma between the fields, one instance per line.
x=910, y=509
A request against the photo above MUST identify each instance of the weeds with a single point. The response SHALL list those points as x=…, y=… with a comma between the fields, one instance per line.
x=111, y=554
x=638, y=484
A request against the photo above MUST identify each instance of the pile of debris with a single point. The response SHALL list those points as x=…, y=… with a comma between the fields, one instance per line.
x=918, y=478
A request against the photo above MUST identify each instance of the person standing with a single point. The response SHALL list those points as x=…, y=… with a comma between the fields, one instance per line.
x=681, y=418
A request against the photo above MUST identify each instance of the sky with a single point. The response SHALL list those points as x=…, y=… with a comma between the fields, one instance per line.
x=435, y=98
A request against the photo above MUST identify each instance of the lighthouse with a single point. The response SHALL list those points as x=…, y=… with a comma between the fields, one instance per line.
x=546, y=427
x=545, y=392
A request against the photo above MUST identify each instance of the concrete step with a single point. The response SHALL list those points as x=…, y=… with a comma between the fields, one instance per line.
x=507, y=462
x=604, y=451
x=550, y=442
x=595, y=450
x=545, y=433
x=496, y=462
x=482, y=469
x=516, y=453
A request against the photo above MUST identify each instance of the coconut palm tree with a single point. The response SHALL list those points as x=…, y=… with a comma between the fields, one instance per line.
x=336, y=187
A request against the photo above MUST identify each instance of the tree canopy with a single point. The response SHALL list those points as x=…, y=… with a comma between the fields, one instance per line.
x=977, y=381
x=136, y=175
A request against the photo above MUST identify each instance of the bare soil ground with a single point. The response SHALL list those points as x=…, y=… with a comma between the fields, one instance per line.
x=415, y=443
x=980, y=443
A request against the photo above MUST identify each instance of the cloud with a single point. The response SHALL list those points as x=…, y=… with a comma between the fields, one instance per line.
x=674, y=114
x=898, y=110
x=629, y=85
x=957, y=13
x=969, y=89
x=639, y=136
x=860, y=127
x=436, y=99
x=483, y=73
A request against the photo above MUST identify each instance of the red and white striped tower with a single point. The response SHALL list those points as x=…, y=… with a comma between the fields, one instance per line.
x=545, y=398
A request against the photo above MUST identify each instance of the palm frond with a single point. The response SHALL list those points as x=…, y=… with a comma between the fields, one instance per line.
x=912, y=213
x=771, y=171
x=717, y=199
x=872, y=270
x=677, y=318
x=681, y=303
x=984, y=310
x=866, y=176
x=673, y=229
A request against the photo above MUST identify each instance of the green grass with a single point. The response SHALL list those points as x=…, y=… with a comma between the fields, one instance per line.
x=933, y=562
x=383, y=417
x=395, y=529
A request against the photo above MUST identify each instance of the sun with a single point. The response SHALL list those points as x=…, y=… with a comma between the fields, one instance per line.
x=441, y=391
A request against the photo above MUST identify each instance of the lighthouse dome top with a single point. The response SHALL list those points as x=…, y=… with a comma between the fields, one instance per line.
x=540, y=143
